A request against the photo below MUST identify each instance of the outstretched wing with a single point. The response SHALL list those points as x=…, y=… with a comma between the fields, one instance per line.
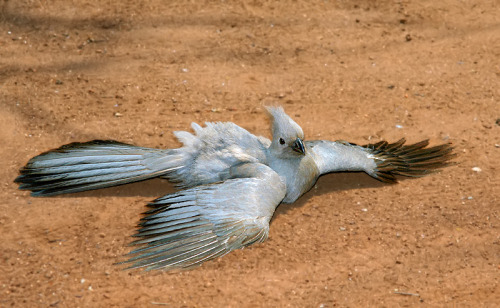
x=192, y=226
x=205, y=158
x=381, y=160
x=96, y=164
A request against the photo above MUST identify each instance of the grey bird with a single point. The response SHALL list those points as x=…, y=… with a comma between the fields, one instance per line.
x=231, y=181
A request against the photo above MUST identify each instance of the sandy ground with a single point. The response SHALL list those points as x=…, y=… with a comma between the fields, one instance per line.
x=360, y=71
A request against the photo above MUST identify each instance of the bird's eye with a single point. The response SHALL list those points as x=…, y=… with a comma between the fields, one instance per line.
x=282, y=141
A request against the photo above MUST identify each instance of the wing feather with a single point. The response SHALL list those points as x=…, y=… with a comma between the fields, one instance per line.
x=382, y=160
x=187, y=228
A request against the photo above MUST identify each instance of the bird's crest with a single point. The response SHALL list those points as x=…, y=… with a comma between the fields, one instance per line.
x=283, y=125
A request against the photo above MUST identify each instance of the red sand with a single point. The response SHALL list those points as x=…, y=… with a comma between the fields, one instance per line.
x=361, y=71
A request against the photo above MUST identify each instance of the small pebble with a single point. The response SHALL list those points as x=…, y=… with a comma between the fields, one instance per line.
x=399, y=126
x=364, y=210
x=476, y=169
x=342, y=229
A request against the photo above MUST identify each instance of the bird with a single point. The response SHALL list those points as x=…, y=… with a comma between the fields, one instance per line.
x=230, y=182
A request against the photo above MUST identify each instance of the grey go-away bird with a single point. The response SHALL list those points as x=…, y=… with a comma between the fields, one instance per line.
x=232, y=182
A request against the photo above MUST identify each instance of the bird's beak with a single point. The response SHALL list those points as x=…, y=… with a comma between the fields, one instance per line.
x=298, y=146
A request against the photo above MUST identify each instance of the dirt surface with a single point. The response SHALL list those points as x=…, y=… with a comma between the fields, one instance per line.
x=360, y=71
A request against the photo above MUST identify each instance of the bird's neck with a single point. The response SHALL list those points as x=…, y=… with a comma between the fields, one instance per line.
x=300, y=174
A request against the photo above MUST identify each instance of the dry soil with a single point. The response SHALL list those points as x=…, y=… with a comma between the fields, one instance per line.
x=362, y=71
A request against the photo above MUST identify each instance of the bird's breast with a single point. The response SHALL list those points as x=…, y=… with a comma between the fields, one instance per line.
x=300, y=175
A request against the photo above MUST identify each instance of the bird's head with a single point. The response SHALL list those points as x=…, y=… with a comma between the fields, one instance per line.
x=287, y=135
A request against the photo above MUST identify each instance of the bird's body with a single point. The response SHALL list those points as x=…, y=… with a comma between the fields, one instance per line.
x=232, y=180
x=207, y=155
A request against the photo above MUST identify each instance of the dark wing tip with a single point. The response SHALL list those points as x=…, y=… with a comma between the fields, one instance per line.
x=415, y=160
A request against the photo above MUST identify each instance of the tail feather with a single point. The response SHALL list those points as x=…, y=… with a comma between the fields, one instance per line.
x=90, y=174
x=415, y=160
x=91, y=165
x=31, y=171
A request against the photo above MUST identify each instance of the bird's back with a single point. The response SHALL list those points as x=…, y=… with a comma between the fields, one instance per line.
x=208, y=154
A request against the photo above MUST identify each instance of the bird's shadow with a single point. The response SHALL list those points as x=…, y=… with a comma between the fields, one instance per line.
x=331, y=183
x=155, y=188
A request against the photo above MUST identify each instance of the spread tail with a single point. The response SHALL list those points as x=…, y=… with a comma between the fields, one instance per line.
x=91, y=165
x=414, y=160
